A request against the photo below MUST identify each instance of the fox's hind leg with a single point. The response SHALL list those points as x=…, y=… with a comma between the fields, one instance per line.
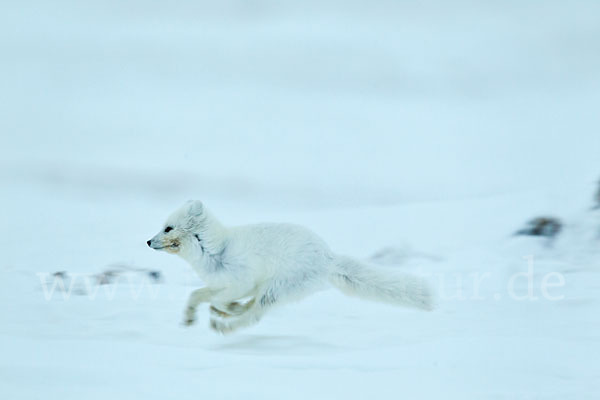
x=232, y=309
x=236, y=308
x=202, y=295
x=277, y=292
x=215, y=312
x=229, y=324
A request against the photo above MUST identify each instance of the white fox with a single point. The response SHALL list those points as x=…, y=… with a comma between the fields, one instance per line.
x=249, y=269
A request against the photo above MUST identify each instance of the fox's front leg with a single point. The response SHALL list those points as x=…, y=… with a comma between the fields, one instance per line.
x=202, y=295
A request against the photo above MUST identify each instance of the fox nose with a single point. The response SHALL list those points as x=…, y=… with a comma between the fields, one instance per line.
x=149, y=243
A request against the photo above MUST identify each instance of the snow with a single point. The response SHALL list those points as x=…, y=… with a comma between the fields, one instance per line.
x=424, y=132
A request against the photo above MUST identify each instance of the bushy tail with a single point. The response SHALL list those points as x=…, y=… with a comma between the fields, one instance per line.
x=373, y=283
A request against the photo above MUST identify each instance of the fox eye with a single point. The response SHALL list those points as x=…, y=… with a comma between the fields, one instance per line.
x=168, y=229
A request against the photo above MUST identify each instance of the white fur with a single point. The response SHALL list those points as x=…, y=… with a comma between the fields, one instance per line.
x=249, y=269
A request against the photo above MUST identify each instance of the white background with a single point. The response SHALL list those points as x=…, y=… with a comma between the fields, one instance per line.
x=435, y=128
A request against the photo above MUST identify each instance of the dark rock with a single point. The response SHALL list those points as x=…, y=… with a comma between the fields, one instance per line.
x=155, y=275
x=542, y=226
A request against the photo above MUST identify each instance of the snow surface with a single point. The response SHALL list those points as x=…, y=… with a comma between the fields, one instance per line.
x=424, y=133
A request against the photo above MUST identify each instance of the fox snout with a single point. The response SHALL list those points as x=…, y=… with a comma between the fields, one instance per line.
x=155, y=244
x=170, y=245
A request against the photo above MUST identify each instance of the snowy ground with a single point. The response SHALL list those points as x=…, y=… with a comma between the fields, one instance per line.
x=432, y=129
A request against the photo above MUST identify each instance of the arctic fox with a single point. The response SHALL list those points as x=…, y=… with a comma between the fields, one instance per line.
x=249, y=269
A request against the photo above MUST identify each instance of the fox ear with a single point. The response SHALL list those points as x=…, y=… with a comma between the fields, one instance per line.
x=195, y=208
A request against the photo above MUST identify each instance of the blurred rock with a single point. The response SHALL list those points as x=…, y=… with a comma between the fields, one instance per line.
x=542, y=226
x=60, y=275
x=400, y=255
x=106, y=277
x=155, y=276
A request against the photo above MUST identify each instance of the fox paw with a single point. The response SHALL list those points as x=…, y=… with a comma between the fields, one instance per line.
x=220, y=327
x=190, y=316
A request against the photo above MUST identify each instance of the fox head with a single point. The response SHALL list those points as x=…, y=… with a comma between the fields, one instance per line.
x=189, y=232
